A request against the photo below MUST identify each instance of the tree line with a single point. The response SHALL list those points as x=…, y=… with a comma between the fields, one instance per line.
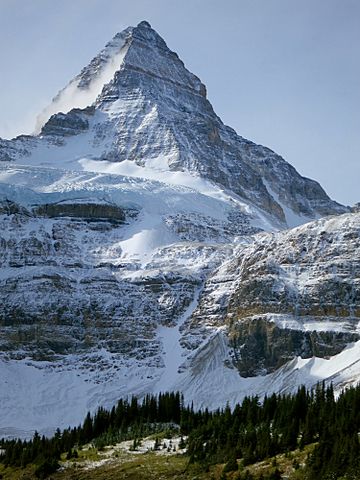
x=252, y=431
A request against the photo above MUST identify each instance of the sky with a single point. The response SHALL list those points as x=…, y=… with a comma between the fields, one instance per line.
x=282, y=73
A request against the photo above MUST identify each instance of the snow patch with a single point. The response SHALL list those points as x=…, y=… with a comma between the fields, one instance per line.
x=173, y=351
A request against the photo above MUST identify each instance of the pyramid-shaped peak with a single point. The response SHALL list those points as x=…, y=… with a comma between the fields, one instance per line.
x=137, y=49
x=148, y=68
x=146, y=34
x=145, y=105
x=144, y=24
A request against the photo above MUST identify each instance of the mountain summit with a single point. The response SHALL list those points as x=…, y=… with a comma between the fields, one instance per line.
x=138, y=48
x=137, y=102
x=142, y=250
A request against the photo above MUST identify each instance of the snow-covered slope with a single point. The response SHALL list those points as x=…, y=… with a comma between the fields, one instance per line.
x=200, y=354
x=134, y=258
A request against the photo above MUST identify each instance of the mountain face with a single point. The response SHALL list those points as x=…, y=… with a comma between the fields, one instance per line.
x=137, y=103
x=290, y=294
x=142, y=249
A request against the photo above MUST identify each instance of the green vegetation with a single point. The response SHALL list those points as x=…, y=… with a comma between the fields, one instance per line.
x=255, y=431
x=308, y=435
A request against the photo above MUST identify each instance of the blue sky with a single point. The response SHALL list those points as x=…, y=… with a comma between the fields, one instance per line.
x=283, y=73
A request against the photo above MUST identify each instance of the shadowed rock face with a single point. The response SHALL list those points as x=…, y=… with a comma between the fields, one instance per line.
x=7, y=207
x=356, y=208
x=259, y=346
x=65, y=125
x=87, y=211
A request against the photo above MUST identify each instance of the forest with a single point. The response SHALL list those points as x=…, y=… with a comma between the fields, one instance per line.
x=249, y=432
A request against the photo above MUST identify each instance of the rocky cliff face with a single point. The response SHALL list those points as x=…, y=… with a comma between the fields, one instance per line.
x=294, y=293
x=138, y=252
x=74, y=278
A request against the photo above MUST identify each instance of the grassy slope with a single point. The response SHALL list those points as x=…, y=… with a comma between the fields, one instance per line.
x=151, y=466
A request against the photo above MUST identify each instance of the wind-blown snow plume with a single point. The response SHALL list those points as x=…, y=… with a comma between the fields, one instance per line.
x=84, y=89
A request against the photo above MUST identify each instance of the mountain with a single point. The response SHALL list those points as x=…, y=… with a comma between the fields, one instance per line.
x=137, y=104
x=143, y=248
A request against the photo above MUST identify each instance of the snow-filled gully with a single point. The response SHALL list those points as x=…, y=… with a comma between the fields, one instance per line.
x=173, y=352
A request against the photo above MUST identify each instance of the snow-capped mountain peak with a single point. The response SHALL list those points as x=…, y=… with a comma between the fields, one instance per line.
x=124, y=49
x=129, y=233
x=136, y=102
